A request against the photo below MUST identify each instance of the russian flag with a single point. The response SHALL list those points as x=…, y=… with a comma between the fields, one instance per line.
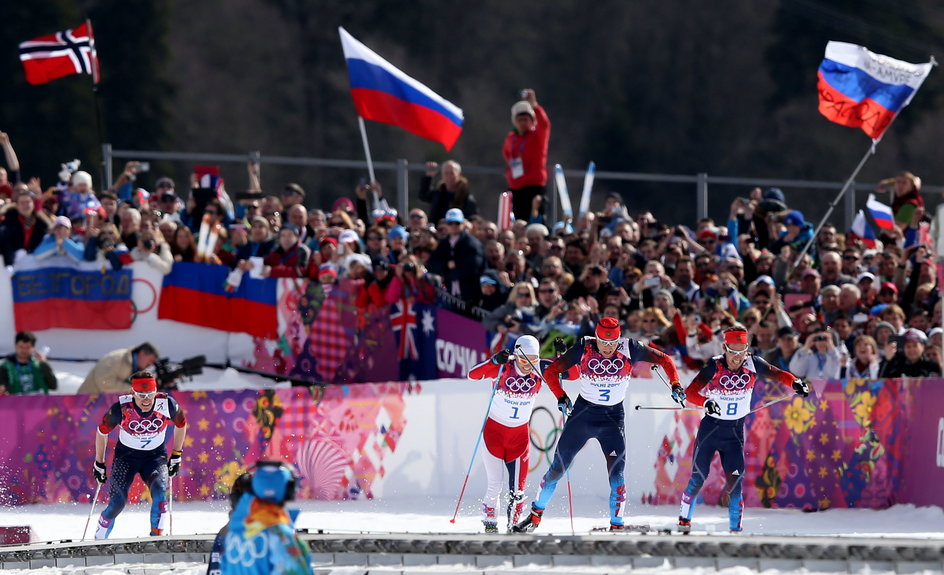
x=195, y=293
x=881, y=213
x=383, y=93
x=861, y=228
x=861, y=89
x=45, y=298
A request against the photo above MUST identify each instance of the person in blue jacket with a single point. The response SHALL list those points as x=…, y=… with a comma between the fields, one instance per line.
x=261, y=538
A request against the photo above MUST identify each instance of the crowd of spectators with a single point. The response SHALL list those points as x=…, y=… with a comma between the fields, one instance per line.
x=846, y=308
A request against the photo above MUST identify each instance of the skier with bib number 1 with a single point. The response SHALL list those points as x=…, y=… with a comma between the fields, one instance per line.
x=724, y=387
x=605, y=363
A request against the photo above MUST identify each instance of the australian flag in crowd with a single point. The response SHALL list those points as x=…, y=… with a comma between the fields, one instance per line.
x=414, y=328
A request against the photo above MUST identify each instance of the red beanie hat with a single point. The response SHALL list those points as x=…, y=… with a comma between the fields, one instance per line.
x=608, y=329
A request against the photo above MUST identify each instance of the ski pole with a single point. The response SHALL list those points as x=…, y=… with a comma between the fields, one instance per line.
x=570, y=494
x=771, y=402
x=477, y=442
x=91, y=511
x=676, y=408
x=170, y=505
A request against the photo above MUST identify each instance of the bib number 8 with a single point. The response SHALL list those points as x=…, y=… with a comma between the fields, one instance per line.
x=732, y=409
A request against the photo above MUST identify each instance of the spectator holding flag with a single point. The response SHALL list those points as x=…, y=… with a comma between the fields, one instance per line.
x=525, y=154
x=906, y=196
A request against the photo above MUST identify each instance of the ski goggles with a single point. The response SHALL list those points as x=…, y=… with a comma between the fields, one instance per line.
x=733, y=351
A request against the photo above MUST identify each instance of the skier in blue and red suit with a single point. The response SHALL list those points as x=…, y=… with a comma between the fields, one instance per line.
x=142, y=418
x=605, y=364
x=724, y=387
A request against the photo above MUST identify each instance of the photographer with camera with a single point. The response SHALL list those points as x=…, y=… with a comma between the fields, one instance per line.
x=907, y=359
x=104, y=244
x=820, y=357
x=152, y=248
x=111, y=374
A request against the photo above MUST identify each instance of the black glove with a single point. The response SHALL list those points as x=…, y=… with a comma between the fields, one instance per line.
x=501, y=358
x=801, y=387
x=712, y=407
x=173, y=464
x=564, y=405
x=100, y=473
x=678, y=394
x=560, y=346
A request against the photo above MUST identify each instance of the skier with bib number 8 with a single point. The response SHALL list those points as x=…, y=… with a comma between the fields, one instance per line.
x=724, y=387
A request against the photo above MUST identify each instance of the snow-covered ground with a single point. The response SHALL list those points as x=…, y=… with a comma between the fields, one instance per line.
x=425, y=515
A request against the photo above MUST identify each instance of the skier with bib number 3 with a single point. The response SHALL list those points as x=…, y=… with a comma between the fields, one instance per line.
x=724, y=387
x=605, y=363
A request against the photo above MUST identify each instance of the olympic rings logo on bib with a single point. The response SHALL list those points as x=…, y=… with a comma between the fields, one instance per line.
x=145, y=425
x=519, y=384
x=605, y=366
x=734, y=381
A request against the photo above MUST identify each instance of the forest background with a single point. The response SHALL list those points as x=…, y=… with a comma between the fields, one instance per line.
x=725, y=87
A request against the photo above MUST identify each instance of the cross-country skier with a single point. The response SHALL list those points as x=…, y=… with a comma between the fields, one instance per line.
x=724, y=387
x=605, y=363
x=142, y=419
x=506, y=431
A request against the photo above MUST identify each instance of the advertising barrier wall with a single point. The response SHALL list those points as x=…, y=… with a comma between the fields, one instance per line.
x=850, y=444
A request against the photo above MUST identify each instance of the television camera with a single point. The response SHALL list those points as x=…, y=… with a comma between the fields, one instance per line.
x=168, y=374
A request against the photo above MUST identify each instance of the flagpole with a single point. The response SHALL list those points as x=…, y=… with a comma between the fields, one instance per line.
x=835, y=202
x=96, y=95
x=370, y=163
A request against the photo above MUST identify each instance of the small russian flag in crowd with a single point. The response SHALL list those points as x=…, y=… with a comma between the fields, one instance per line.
x=881, y=213
x=383, y=93
x=861, y=228
x=861, y=89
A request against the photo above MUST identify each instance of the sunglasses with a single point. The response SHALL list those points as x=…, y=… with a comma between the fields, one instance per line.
x=736, y=351
x=761, y=301
x=547, y=290
x=333, y=223
x=850, y=258
x=145, y=395
x=374, y=238
x=523, y=294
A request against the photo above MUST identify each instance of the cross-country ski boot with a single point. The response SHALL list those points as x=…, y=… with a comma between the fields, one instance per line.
x=685, y=525
x=530, y=522
x=515, y=505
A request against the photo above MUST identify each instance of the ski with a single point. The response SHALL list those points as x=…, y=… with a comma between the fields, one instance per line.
x=629, y=528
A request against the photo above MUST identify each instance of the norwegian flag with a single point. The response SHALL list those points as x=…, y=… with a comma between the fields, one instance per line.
x=403, y=320
x=61, y=54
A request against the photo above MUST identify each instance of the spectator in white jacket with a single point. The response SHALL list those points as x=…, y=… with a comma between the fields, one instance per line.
x=819, y=358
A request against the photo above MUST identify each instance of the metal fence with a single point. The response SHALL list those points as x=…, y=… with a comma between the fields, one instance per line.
x=708, y=194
